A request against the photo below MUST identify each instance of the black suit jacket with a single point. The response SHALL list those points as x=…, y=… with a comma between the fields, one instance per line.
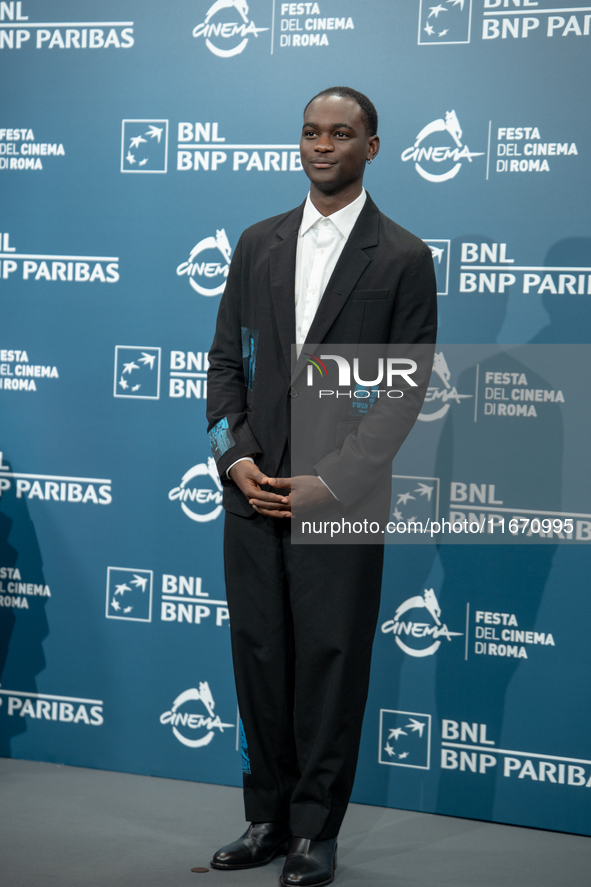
x=382, y=291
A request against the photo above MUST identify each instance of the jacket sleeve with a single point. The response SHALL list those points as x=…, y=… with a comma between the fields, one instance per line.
x=228, y=430
x=367, y=452
x=415, y=312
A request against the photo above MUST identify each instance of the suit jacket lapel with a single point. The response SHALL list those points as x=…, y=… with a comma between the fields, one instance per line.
x=282, y=270
x=351, y=264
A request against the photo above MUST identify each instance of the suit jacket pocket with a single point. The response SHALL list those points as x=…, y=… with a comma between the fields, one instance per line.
x=343, y=429
x=369, y=294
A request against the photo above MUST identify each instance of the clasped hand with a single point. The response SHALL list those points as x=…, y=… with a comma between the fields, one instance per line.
x=300, y=493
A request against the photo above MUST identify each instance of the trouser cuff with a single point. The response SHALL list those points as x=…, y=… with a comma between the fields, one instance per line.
x=315, y=822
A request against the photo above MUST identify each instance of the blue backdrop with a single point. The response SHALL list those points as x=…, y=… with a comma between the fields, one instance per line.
x=135, y=146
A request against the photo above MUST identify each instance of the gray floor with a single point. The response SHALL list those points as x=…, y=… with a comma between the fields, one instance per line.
x=70, y=827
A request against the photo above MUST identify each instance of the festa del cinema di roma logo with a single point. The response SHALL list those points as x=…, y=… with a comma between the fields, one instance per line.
x=446, y=394
x=199, y=270
x=195, y=497
x=220, y=34
x=192, y=715
x=427, y=156
x=417, y=632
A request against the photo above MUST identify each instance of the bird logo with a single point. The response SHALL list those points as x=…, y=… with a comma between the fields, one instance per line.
x=416, y=726
x=405, y=736
x=129, y=594
x=448, y=17
x=148, y=359
x=144, y=146
x=155, y=132
x=137, y=371
x=396, y=733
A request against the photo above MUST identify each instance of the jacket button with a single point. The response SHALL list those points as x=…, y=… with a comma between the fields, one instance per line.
x=293, y=392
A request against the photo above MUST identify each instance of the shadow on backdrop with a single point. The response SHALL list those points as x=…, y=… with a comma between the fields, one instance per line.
x=570, y=314
x=23, y=621
x=399, y=682
x=522, y=457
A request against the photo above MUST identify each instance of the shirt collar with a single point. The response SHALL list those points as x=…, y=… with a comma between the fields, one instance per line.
x=343, y=220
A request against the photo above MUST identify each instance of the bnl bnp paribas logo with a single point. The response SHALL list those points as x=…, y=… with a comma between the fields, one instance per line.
x=129, y=594
x=200, y=148
x=227, y=28
x=415, y=498
x=405, y=739
x=448, y=21
x=438, y=152
x=440, y=250
x=137, y=372
x=144, y=146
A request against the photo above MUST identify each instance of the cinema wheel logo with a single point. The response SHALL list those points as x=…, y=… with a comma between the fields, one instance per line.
x=192, y=717
x=430, y=158
x=207, y=274
x=435, y=394
x=200, y=492
x=224, y=37
x=422, y=637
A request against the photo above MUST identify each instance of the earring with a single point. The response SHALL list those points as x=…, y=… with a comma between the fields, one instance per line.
x=369, y=159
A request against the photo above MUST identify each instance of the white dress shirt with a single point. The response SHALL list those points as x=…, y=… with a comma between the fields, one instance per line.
x=320, y=243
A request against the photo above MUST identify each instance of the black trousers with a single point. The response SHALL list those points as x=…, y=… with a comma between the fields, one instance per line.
x=302, y=622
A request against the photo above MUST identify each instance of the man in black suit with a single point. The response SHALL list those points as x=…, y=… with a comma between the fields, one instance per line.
x=303, y=617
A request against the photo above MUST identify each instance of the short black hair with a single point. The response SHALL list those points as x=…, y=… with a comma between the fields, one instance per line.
x=367, y=106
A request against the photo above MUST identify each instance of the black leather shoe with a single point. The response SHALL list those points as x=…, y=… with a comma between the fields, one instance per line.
x=260, y=843
x=309, y=863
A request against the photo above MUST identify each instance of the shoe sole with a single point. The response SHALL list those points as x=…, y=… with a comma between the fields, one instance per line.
x=281, y=851
x=318, y=883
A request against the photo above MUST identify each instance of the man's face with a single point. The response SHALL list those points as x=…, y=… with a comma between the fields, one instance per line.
x=334, y=144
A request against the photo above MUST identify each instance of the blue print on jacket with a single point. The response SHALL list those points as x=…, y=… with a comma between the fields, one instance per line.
x=244, y=750
x=363, y=399
x=220, y=439
x=250, y=342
